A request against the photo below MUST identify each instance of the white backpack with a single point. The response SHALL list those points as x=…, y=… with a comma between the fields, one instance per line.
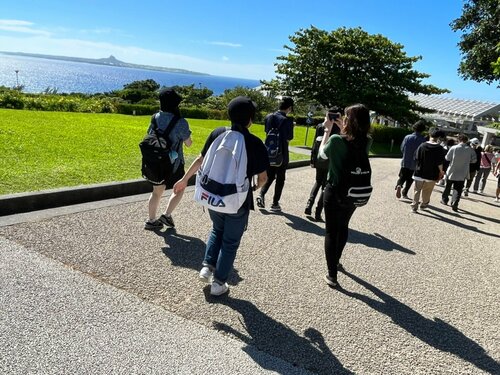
x=221, y=182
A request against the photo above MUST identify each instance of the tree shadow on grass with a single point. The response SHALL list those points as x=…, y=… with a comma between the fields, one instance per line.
x=188, y=252
x=377, y=241
x=436, y=333
x=266, y=334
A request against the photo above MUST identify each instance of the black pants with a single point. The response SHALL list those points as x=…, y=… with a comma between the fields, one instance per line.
x=337, y=219
x=406, y=179
x=319, y=183
x=278, y=174
x=458, y=186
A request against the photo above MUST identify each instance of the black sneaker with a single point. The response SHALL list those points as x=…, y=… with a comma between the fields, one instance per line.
x=276, y=208
x=454, y=208
x=260, y=201
x=153, y=225
x=331, y=281
x=444, y=202
x=167, y=220
x=308, y=211
x=318, y=218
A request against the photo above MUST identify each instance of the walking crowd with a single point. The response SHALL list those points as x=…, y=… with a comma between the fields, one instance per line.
x=342, y=180
x=439, y=160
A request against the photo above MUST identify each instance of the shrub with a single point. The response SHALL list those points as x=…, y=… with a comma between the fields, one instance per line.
x=11, y=100
x=140, y=110
x=384, y=134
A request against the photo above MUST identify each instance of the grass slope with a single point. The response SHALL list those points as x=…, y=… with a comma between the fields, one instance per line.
x=44, y=150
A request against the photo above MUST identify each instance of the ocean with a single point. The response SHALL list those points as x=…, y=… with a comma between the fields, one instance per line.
x=38, y=74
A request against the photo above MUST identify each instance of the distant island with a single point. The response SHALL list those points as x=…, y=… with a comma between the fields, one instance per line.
x=110, y=61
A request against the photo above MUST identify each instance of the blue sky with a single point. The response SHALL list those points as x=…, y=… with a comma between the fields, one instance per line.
x=232, y=38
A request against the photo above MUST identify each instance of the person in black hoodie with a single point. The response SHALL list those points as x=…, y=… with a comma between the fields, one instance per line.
x=429, y=159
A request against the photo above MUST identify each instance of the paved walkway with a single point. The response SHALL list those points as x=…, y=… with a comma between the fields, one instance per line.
x=85, y=289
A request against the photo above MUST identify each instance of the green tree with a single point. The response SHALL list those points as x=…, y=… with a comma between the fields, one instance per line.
x=192, y=96
x=264, y=103
x=148, y=85
x=480, y=27
x=347, y=66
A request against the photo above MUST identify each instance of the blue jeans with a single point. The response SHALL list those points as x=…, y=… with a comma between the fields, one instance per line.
x=223, y=242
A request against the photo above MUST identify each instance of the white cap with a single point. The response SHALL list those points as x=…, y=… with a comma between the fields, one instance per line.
x=475, y=141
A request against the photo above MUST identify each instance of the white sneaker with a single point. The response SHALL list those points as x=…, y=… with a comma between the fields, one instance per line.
x=497, y=200
x=206, y=275
x=480, y=191
x=217, y=289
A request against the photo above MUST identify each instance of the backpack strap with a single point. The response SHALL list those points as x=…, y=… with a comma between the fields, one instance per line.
x=168, y=129
x=486, y=156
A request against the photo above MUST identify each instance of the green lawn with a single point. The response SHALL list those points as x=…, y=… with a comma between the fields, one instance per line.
x=44, y=150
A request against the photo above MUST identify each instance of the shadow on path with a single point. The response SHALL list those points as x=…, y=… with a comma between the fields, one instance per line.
x=270, y=336
x=434, y=215
x=376, y=240
x=299, y=223
x=452, y=214
x=436, y=333
x=188, y=252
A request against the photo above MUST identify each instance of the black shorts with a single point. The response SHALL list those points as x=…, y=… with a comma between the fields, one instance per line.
x=172, y=179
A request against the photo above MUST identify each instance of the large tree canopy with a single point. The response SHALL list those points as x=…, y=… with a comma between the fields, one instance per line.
x=347, y=66
x=480, y=24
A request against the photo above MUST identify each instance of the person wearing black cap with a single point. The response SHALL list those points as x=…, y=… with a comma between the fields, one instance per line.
x=227, y=229
x=284, y=124
x=169, y=115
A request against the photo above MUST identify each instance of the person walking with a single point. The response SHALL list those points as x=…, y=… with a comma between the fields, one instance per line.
x=354, y=126
x=475, y=166
x=284, y=124
x=487, y=160
x=460, y=157
x=429, y=159
x=321, y=166
x=227, y=229
x=180, y=134
x=408, y=147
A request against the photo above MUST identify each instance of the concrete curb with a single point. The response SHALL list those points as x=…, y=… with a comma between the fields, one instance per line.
x=33, y=201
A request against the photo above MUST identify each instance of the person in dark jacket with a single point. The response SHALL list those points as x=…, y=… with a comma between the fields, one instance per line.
x=321, y=167
x=408, y=147
x=285, y=126
x=429, y=159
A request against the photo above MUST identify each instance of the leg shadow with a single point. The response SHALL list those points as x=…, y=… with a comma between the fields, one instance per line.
x=188, y=252
x=270, y=336
x=436, y=333
x=376, y=240
x=434, y=215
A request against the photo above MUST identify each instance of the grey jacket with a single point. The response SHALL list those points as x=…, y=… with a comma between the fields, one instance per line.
x=460, y=157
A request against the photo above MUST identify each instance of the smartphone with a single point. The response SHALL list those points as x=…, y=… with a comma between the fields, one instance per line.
x=333, y=116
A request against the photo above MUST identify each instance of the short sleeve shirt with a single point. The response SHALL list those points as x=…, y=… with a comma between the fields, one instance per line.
x=177, y=136
x=258, y=160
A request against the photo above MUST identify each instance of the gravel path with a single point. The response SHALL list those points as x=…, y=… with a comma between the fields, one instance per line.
x=419, y=294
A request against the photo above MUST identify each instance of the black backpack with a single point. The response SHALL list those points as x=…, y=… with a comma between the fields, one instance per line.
x=155, y=150
x=354, y=186
x=273, y=142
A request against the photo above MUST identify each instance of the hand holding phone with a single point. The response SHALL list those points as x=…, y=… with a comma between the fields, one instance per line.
x=333, y=116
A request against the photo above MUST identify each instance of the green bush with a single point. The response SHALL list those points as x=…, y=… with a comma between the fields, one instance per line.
x=11, y=100
x=140, y=110
x=384, y=134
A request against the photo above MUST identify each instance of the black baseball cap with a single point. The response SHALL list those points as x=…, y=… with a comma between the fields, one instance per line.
x=241, y=110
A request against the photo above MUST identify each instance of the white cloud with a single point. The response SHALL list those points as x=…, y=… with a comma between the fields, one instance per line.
x=44, y=44
x=226, y=44
x=225, y=58
x=19, y=26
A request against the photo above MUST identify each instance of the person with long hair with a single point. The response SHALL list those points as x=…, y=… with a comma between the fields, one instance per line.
x=354, y=127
